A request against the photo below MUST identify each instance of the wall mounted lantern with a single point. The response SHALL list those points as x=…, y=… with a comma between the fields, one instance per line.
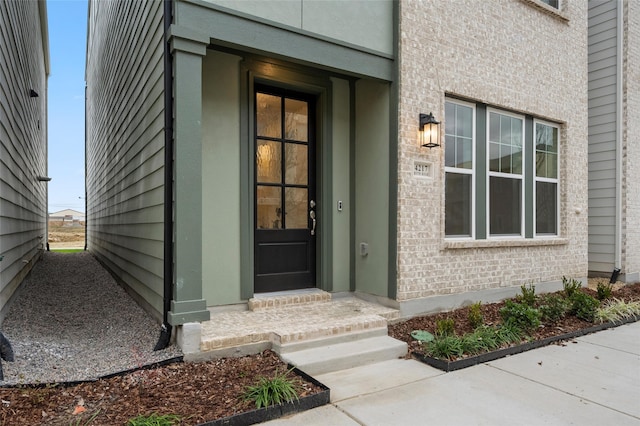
x=429, y=131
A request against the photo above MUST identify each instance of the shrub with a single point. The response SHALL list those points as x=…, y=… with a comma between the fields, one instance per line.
x=570, y=286
x=553, y=307
x=475, y=315
x=520, y=315
x=445, y=327
x=272, y=391
x=482, y=339
x=617, y=310
x=528, y=296
x=584, y=306
x=605, y=291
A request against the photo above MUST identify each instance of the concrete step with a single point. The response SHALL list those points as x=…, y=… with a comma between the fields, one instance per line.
x=284, y=346
x=339, y=356
x=281, y=299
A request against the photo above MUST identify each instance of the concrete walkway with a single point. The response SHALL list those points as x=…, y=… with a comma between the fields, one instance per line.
x=593, y=380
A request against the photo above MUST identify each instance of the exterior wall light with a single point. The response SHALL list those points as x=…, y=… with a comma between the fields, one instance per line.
x=429, y=131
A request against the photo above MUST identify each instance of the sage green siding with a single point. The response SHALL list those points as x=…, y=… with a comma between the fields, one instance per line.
x=603, y=115
x=364, y=23
x=125, y=143
x=372, y=186
x=341, y=167
x=220, y=179
x=24, y=66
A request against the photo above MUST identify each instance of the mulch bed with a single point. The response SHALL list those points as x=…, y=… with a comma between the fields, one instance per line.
x=491, y=314
x=196, y=392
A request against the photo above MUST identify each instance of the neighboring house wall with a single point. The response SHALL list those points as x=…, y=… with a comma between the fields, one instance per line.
x=23, y=140
x=125, y=143
x=520, y=56
x=614, y=91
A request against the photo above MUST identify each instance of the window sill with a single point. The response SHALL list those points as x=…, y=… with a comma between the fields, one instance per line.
x=496, y=243
x=549, y=10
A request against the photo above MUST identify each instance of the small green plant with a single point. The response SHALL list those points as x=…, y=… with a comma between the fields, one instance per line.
x=584, y=306
x=528, y=296
x=520, y=315
x=604, y=290
x=271, y=391
x=445, y=347
x=617, y=310
x=475, y=315
x=553, y=307
x=508, y=333
x=570, y=286
x=445, y=327
x=154, y=420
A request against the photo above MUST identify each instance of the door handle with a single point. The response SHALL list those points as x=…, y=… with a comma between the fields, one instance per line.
x=312, y=215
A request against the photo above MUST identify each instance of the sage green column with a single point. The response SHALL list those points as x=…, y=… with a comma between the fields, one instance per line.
x=187, y=47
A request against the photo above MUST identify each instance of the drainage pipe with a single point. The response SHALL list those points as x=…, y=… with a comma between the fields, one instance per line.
x=165, y=331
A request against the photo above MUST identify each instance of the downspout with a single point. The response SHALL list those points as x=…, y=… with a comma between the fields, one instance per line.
x=86, y=205
x=165, y=331
x=619, y=129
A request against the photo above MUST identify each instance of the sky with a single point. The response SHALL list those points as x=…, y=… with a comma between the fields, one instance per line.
x=67, y=44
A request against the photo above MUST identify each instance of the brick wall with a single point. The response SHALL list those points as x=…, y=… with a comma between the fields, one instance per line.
x=631, y=139
x=512, y=54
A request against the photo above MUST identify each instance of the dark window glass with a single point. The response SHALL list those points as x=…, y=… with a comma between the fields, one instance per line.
x=505, y=206
x=458, y=205
x=546, y=208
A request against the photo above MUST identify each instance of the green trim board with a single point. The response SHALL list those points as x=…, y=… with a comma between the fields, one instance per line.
x=240, y=31
x=529, y=171
x=481, y=171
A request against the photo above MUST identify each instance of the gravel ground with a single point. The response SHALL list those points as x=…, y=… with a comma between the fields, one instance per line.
x=72, y=322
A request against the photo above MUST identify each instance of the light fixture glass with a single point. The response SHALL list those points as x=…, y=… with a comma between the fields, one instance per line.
x=429, y=131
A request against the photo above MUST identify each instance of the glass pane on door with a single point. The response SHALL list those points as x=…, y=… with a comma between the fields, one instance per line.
x=269, y=116
x=269, y=207
x=296, y=211
x=296, y=166
x=296, y=120
x=269, y=162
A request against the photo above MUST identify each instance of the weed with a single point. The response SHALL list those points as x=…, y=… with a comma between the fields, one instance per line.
x=273, y=391
x=520, y=315
x=584, y=306
x=86, y=422
x=528, y=296
x=570, y=286
x=154, y=420
x=445, y=327
x=553, y=307
x=617, y=310
x=605, y=291
x=475, y=315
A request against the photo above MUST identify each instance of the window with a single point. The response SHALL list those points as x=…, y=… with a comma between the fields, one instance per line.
x=506, y=140
x=459, y=168
x=546, y=182
x=501, y=173
x=552, y=3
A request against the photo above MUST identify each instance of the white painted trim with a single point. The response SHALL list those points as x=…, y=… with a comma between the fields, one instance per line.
x=619, y=129
x=490, y=174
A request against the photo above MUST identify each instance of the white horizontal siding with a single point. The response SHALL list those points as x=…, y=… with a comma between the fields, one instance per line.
x=125, y=143
x=23, y=144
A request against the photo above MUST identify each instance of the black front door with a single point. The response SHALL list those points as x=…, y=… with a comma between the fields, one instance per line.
x=285, y=203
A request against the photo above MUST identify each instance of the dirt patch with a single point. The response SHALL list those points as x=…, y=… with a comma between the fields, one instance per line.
x=68, y=235
x=196, y=392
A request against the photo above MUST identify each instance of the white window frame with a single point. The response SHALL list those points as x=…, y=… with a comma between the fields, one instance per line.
x=471, y=172
x=491, y=174
x=537, y=179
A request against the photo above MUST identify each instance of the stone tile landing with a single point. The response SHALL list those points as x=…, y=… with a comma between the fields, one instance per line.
x=275, y=321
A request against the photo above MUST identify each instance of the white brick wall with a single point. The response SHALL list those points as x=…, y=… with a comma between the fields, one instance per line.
x=512, y=54
x=631, y=139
